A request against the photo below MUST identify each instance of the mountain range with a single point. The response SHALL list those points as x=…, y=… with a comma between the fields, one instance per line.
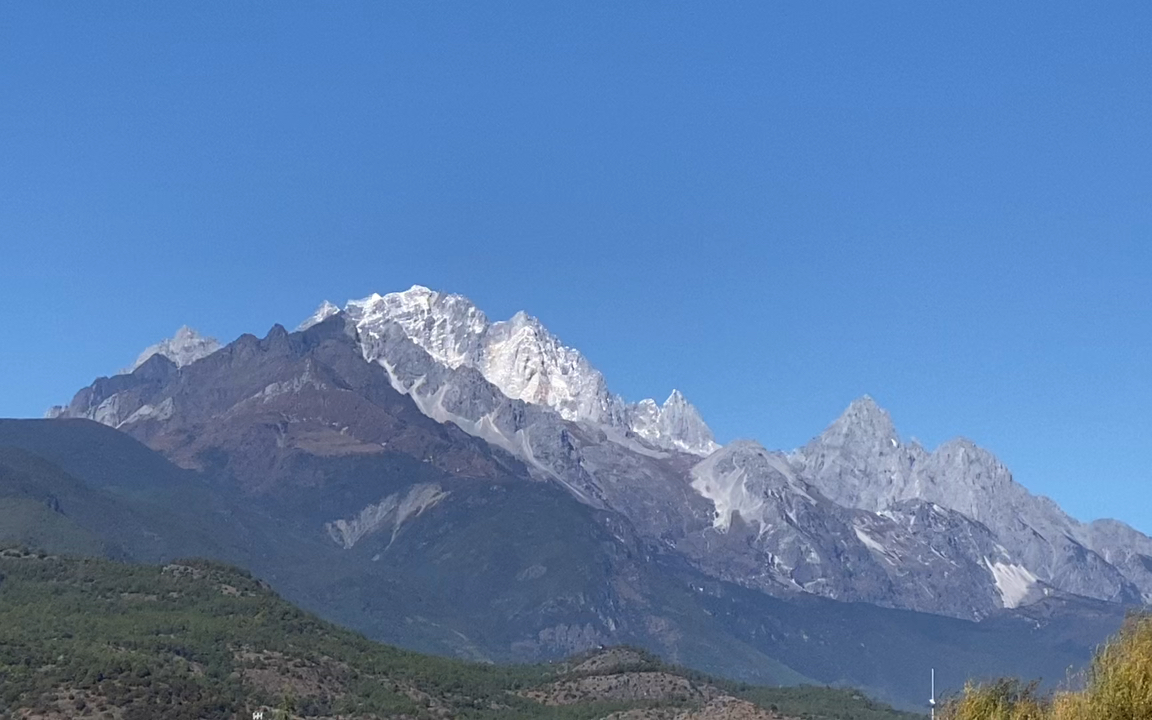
x=412, y=469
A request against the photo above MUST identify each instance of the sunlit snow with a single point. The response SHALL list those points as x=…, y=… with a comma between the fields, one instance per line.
x=526, y=362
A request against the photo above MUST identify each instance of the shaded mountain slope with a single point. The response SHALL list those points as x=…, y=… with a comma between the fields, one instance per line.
x=494, y=570
x=274, y=399
x=50, y=508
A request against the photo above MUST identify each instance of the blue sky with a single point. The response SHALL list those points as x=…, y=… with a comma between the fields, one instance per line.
x=775, y=209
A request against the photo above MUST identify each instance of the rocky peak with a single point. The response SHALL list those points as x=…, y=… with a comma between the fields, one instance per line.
x=677, y=402
x=859, y=461
x=676, y=425
x=863, y=422
x=185, y=347
x=529, y=363
x=965, y=477
x=745, y=478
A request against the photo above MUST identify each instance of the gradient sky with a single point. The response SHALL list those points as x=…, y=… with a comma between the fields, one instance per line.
x=773, y=207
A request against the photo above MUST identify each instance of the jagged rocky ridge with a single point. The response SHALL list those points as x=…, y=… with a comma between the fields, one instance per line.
x=855, y=515
x=860, y=462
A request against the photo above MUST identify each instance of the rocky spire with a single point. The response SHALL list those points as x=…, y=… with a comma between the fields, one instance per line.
x=862, y=423
x=185, y=347
x=676, y=425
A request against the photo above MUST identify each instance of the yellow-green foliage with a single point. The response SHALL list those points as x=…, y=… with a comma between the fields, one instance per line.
x=1118, y=686
x=1119, y=683
x=1000, y=700
x=1069, y=706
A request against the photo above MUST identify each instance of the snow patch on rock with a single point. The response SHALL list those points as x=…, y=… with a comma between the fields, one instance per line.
x=161, y=412
x=393, y=510
x=1014, y=582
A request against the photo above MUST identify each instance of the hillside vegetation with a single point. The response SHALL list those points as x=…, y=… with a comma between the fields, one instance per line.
x=90, y=638
x=1117, y=686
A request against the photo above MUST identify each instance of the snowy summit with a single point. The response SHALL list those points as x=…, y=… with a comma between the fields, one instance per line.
x=526, y=362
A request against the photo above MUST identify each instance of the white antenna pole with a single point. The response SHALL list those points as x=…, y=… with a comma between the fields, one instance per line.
x=932, y=702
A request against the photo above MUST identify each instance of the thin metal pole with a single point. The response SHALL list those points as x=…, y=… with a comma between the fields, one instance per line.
x=933, y=703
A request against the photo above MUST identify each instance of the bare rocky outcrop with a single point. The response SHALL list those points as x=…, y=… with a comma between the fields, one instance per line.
x=721, y=708
x=625, y=686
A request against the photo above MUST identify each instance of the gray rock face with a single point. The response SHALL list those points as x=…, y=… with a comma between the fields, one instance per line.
x=388, y=514
x=744, y=514
x=325, y=311
x=1126, y=548
x=860, y=462
x=675, y=425
x=914, y=555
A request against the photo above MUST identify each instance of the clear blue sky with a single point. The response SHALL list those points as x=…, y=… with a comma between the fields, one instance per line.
x=775, y=207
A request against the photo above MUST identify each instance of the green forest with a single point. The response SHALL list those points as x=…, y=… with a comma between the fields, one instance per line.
x=84, y=637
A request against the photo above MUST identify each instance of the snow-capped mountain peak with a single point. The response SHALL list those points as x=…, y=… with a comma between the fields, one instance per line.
x=448, y=327
x=325, y=311
x=525, y=361
x=185, y=347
